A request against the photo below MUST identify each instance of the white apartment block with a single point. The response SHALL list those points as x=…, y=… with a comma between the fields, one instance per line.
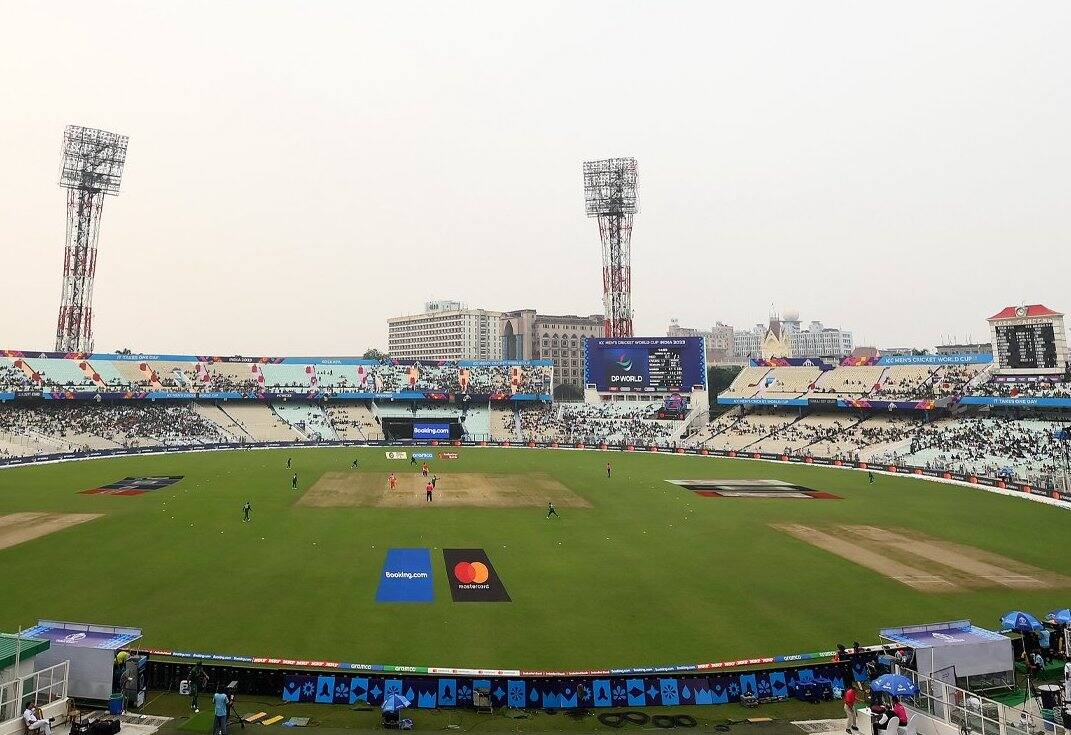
x=445, y=330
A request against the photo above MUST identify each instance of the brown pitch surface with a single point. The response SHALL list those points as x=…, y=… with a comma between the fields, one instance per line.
x=461, y=489
x=925, y=563
x=16, y=528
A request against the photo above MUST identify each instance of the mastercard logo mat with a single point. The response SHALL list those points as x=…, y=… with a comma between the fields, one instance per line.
x=471, y=572
x=472, y=576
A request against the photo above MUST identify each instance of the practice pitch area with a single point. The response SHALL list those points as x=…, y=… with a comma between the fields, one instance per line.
x=671, y=559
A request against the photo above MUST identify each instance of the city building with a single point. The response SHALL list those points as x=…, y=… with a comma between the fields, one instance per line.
x=719, y=340
x=525, y=334
x=445, y=330
x=901, y=351
x=972, y=348
x=747, y=343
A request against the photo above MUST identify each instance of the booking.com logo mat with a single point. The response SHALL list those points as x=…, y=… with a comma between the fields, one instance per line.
x=472, y=577
x=406, y=577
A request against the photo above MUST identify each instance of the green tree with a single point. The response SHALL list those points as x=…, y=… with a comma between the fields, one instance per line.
x=719, y=377
x=568, y=392
x=373, y=354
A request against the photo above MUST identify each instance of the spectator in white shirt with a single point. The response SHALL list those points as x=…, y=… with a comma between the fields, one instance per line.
x=35, y=723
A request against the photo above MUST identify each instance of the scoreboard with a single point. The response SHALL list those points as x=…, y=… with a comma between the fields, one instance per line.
x=1027, y=346
x=1029, y=340
x=665, y=368
x=645, y=364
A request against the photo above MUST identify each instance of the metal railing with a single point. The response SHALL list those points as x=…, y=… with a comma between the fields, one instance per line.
x=973, y=714
x=39, y=688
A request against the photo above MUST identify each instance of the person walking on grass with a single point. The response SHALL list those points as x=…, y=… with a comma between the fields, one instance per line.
x=609, y=470
x=288, y=465
x=429, y=490
x=551, y=510
x=247, y=509
x=293, y=482
x=870, y=476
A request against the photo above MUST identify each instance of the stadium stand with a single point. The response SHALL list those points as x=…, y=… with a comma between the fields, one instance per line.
x=476, y=423
x=503, y=424
x=747, y=382
x=788, y=381
x=846, y=382
x=354, y=421
x=939, y=433
x=259, y=422
x=307, y=419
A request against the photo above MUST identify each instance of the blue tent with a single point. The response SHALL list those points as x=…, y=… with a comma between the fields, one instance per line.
x=1020, y=621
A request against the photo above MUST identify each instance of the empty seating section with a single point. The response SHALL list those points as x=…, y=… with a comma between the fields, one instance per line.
x=342, y=376
x=308, y=419
x=747, y=382
x=902, y=381
x=129, y=374
x=260, y=422
x=846, y=382
x=792, y=381
x=108, y=372
x=58, y=373
x=296, y=377
x=172, y=375
x=477, y=423
x=231, y=428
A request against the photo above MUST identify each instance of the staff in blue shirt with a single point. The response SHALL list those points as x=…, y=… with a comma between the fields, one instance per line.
x=219, y=702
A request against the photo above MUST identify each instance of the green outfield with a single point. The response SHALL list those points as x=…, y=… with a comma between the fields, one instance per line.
x=635, y=571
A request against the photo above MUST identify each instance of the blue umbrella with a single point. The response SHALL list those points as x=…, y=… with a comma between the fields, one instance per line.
x=394, y=702
x=1063, y=617
x=1020, y=621
x=894, y=684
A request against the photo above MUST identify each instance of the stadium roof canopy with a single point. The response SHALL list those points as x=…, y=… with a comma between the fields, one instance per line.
x=9, y=644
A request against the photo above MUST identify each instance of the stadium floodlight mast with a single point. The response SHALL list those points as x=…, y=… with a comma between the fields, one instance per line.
x=92, y=167
x=610, y=196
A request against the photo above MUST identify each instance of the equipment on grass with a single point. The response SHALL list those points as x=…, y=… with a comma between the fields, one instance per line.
x=232, y=713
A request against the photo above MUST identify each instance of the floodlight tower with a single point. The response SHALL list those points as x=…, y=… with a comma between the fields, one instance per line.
x=92, y=167
x=610, y=196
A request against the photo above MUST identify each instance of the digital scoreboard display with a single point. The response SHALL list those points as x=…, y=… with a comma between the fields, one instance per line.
x=1027, y=346
x=645, y=364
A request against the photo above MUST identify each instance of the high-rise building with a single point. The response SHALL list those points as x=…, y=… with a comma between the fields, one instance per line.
x=783, y=337
x=747, y=343
x=445, y=330
x=526, y=334
x=719, y=339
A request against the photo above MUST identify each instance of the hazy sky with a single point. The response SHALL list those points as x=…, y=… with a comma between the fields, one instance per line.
x=298, y=172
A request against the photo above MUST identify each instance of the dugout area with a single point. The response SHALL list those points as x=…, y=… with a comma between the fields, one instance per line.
x=460, y=489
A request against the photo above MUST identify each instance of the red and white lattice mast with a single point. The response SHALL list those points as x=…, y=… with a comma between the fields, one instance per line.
x=92, y=166
x=610, y=196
